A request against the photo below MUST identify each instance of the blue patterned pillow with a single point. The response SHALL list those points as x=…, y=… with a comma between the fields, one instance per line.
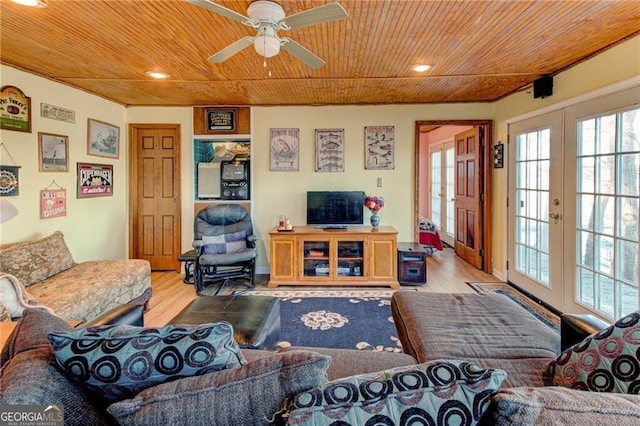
x=118, y=361
x=227, y=243
x=608, y=361
x=437, y=392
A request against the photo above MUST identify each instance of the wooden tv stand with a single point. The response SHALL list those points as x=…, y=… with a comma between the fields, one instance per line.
x=357, y=256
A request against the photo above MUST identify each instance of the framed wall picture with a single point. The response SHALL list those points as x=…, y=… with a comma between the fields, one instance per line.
x=329, y=150
x=285, y=150
x=53, y=152
x=95, y=180
x=103, y=139
x=9, y=181
x=379, y=144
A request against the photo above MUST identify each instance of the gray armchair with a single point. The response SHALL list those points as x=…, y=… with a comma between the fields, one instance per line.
x=225, y=248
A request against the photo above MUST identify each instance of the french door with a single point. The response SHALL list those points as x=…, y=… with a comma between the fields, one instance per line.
x=574, y=203
x=536, y=207
x=442, y=190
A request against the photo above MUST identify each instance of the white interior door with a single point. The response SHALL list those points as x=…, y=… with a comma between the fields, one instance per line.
x=536, y=207
x=442, y=189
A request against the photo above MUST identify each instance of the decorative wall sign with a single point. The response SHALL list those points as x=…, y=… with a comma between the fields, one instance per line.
x=379, y=144
x=15, y=109
x=57, y=113
x=103, y=139
x=53, y=203
x=220, y=119
x=95, y=180
x=53, y=152
x=9, y=181
x=285, y=150
x=498, y=156
x=329, y=150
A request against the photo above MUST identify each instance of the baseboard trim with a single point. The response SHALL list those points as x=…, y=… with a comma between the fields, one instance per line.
x=535, y=299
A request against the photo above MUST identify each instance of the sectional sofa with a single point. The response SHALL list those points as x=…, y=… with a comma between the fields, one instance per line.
x=470, y=359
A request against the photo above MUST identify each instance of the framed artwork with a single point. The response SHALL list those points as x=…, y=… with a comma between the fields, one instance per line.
x=15, y=109
x=379, y=144
x=9, y=181
x=53, y=152
x=220, y=119
x=95, y=180
x=285, y=150
x=329, y=150
x=103, y=139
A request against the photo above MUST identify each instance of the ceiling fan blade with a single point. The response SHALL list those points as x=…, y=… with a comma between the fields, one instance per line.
x=220, y=10
x=302, y=53
x=231, y=50
x=325, y=13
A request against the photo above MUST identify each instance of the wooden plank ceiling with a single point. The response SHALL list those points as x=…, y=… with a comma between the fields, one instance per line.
x=481, y=51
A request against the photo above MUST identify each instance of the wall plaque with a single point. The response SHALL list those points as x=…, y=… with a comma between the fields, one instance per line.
x=15, y=109
x=220, y=119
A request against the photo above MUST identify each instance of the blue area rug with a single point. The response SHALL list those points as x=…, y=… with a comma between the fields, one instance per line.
x=363, y=323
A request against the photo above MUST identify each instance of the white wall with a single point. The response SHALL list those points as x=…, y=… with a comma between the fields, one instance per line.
x=94, y=228
x=276, y=193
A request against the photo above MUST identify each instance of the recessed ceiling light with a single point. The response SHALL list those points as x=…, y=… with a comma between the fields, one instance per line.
x=31, y=3
x=156, y=74
x=421, y=67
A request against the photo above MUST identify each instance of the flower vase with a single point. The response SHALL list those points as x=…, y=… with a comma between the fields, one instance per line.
x=375, y=220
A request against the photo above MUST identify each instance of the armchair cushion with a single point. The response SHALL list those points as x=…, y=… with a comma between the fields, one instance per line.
x=233, y=242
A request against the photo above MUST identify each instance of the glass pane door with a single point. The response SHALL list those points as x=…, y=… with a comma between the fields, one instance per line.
x=535, y=208
x=607, y=184
x=436, y=188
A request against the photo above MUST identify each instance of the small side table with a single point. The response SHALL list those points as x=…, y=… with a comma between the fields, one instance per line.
x=412, y=264
x=189, y=259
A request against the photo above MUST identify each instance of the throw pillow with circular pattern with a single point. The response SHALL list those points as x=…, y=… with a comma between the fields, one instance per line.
x=608, y=361
x=436, y=392
x=118, y=361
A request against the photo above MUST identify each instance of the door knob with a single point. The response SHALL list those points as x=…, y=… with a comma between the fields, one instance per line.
x=555, y=216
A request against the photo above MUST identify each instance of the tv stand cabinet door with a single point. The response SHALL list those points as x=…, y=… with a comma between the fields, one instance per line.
x=284, y=258
x=383, y=263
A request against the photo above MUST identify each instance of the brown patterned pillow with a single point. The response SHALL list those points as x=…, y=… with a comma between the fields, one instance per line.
x=37, y=260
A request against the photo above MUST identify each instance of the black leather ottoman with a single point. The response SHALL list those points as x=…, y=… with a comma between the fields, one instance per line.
x=255, y=319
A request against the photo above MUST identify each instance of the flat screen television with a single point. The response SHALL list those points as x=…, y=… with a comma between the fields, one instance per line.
x=330, y=209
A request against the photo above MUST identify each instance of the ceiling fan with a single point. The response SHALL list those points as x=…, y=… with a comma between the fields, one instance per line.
x=268, y=17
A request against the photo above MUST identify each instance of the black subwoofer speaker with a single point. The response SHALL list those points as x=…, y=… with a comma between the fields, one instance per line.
x=543, y=87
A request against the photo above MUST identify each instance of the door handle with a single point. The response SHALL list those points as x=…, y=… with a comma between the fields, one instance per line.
x=555, y=216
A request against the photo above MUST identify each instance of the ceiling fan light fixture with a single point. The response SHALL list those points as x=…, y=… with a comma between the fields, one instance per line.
x=31, y=3
x=267, y=46
x=421, y=67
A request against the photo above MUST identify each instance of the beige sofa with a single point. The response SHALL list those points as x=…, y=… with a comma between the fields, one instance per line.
x=75, y=291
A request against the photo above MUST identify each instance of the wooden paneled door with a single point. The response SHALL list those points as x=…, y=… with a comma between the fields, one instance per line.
x=469, y=196
x=155, y=194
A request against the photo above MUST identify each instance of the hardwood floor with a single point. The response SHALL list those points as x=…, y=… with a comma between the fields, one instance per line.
x=446, y=273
